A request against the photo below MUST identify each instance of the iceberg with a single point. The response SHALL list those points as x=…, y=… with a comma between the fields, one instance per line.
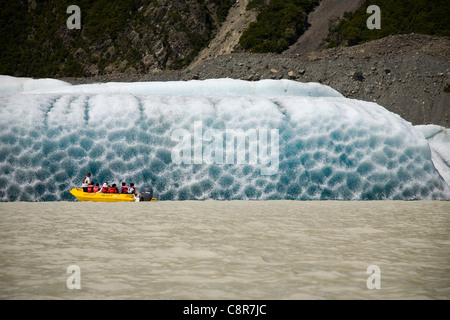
x=175, y=138
x=439, y=140
x=13, y=85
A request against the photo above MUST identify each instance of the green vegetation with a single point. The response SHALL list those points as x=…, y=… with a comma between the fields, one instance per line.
x=106, y=17
x=223, y=6
x=35, y=41
x=397, y=17
x=278, y=25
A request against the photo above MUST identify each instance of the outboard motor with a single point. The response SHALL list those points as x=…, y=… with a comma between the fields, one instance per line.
x=146, y=194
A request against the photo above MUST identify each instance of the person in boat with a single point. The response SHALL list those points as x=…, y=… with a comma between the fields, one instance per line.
x=96, y=188
x=90, y=187
x=113, y=189
x=105, y=188
x=86, y=181
x=132, y=189
x=124, y=188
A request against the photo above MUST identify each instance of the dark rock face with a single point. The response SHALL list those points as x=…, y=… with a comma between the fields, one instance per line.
x=135, y=36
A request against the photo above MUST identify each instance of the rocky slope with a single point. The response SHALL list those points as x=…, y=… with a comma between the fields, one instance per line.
x=320, y=20
x=227, y=37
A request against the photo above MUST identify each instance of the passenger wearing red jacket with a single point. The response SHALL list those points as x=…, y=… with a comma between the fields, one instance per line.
x=113, y=189
x=124, y=188
x=105, y=188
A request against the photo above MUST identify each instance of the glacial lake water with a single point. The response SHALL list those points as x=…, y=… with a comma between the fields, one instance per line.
x=225, y=250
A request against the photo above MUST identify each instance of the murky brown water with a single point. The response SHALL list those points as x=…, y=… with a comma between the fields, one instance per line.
x=225, y=250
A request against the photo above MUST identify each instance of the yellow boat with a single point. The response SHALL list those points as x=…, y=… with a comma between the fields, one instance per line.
x=104, y=197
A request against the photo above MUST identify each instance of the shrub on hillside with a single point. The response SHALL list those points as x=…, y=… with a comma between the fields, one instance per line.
x=397, y=17
x=278, y=25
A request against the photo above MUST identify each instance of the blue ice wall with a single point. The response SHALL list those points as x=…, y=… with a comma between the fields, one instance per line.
x=329, y=147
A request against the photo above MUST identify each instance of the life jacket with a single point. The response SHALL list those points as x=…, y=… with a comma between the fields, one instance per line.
x=112, y=190
x=91, y=188
x=105, y=189
x=85, y=182
x=96, y=189
x=132, y=190
x=124, y=189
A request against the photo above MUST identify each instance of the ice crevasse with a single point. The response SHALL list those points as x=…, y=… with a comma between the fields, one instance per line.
x=213, y=139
